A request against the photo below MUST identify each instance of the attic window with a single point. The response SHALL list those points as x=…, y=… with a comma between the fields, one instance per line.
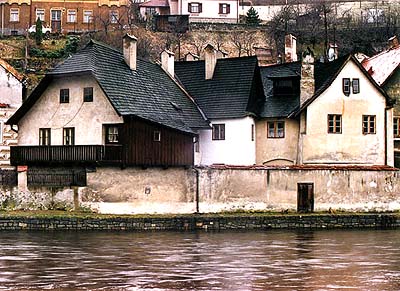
x=64, y=95
x=176, y=106
x=286, y=87
x=356, y=86
x=346, y=86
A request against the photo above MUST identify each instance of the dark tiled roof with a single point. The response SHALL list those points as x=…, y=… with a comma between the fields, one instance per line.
x=229, y=93
x=283, y=105
x=147, y=92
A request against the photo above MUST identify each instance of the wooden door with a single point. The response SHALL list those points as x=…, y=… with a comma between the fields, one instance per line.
x=305, y=197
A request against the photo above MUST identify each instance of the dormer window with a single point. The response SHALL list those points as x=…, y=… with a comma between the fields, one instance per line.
x=286, y=87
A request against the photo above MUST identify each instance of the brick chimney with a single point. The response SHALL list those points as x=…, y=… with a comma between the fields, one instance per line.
x=264, y=56
x=393, y=42
x=290, y=48
x=210, y=57
x=129, y=44
x=168, y=62
x=307, y=81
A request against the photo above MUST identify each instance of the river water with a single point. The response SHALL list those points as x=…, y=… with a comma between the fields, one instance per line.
x=270, y=260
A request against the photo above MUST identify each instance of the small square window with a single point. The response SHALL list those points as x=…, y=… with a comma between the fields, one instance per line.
x=224, y=8
x=346, y=86
x=88, y=94
x=334, y=123
x=218, y=131
x=276, y=129
x=157, y=135
x=64, y=95
x=195, y=7
x=112, y=134
x=356, y=86
x=369, y=124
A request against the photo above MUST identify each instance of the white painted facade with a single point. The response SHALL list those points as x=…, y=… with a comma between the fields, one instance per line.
x=351, y=146
x=237, y=148
x=87, y=118
x=210, y=10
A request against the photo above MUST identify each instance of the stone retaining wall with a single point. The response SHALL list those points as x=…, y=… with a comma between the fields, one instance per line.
x=199, y=222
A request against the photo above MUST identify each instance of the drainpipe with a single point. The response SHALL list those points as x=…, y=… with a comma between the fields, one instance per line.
x=385, y=130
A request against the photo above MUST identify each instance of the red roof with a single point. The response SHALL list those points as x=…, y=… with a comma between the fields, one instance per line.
x=382, y=65
x=155, y=3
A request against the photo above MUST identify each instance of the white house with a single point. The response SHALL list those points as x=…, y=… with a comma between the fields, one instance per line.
x=229, y=91
x=12, y=90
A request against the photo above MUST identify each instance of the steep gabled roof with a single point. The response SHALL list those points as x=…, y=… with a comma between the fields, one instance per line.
x=228, y=93
x=324, y=74
x=147, y=92
x=11, y=70
x=282, y=105
x=383, y=65
x=155, y=3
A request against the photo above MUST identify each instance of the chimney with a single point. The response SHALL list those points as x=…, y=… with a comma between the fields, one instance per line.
x=210, y=57
x=393, y=42
x=290, y=48
x=129, y=44
x=168, y=62
x=264, y=56
x=307, y=81
x=189, y=57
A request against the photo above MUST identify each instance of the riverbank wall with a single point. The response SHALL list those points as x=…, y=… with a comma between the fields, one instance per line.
x=204, y=222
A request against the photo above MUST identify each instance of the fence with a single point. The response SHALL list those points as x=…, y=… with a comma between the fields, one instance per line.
x=57, y=177
x=8, y=177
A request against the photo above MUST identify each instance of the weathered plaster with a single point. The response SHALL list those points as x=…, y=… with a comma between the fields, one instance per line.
x=276, y=151
x=86, y=117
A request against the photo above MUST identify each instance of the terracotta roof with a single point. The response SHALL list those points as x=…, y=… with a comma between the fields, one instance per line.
x=155, y=3
x=306, y=167
x=382, y=65
x=10, y=69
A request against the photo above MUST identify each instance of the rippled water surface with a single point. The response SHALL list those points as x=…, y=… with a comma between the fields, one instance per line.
x=270, y=260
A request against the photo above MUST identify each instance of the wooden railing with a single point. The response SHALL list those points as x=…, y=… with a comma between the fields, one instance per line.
x=26, y=155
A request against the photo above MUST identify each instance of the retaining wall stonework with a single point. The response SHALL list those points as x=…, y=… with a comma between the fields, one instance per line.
x=199, y=222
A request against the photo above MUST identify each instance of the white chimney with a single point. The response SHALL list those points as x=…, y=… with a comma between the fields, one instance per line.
x=129, y=44
x=189, y=57
x=210, y=57
x=307, y=81
x=290, y=48
x=168, y=62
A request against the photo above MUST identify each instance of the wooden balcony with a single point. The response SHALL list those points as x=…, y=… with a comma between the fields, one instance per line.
x=78, y=154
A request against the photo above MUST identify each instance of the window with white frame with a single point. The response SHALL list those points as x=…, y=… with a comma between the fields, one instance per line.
x=14, y=14
x=71, y=16
x=114, y=16
x=195, y=7
x=276, y=129
x=396, y=127
x=218, y=131
x=87, y=16
x=224, y=8
x=40, y=14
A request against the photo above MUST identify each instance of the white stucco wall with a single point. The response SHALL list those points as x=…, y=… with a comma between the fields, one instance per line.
x=236, y=149
x=351, y=146
x=86, y=117
x=10, y=89
x=210, y=11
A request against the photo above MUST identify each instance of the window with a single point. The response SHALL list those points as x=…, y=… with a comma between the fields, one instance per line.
x=156, y=135
x=87, y=16
x=112, y=134
x=40, y=14
x=369, y=124
x=396, y=127
x=55, y=15
x=276, y=129
x=252, y=132
x=64, y=95
x=71, y=16
x=346, y=86
x=195, y=7
x=334, y=123
x=114, y=16
x=150, y=11
x=44, y=136
x=286, y=86
x=218, y=131
x=356, y=86
x=14, y=14
x=69, y=136
x=88, y=94
x=224, y=8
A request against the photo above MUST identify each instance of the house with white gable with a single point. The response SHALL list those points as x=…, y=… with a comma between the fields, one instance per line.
x=12, y=91
x=324, y=114
x=229, y=91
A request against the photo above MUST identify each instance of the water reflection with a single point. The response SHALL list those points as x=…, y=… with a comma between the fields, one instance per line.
x=273, y=260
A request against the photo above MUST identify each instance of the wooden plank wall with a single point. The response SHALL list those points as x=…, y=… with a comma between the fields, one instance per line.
x=174, y=149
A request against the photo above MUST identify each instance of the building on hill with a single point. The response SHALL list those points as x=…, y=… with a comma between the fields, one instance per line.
x=324, y=113
x=12, y=90
x=384, y=68
x=67, y=16
x=112, y=109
